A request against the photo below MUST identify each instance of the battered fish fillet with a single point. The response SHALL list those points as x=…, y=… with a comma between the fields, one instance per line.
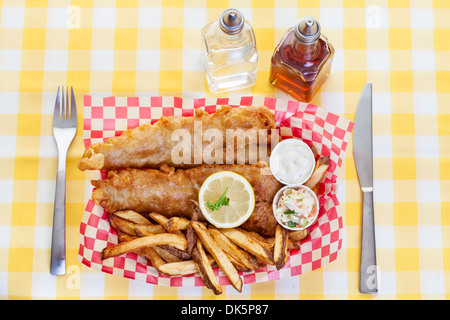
x=169, y=191
x=150, y=146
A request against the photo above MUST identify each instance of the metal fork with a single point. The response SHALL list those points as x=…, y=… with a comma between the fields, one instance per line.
x=64, y=129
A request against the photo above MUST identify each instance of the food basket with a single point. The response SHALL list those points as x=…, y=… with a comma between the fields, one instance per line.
x=106, y=117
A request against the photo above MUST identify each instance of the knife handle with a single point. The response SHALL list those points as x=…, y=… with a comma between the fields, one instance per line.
x=368, y=272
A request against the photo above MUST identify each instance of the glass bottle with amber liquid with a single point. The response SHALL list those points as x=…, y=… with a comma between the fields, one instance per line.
x=302, y=60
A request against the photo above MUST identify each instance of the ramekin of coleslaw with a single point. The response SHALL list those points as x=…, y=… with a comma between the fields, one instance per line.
x=296, y=208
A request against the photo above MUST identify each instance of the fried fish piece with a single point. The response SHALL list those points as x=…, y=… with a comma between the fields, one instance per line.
x=262, y=219
x=170, y=192
x=145, y=191
x=150, y=146
x=264, y=184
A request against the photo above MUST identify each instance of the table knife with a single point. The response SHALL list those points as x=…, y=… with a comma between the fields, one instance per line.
x=363, y=156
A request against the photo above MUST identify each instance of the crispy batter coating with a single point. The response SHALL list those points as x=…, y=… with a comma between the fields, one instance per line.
x=145, y=190
x=262, y=220
x=150, y=146
x=169, y=191
x=264, y=184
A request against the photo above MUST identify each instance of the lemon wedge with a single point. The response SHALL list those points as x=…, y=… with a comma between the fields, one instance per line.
x=226, y=199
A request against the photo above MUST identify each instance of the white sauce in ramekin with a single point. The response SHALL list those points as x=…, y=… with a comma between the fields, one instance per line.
x=292, y=162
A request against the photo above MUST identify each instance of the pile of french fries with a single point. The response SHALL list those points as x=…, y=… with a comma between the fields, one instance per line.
x=178, y=246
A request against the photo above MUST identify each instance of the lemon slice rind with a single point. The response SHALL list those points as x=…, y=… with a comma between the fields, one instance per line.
x=244, y=198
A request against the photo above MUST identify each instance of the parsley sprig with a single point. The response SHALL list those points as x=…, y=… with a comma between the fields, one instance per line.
x=223, y=201
x=291, y=224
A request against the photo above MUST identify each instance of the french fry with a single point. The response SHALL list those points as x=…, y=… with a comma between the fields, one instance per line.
x=138, y=243
x=183, y=255
x=191, y=236
x=261, y=240
x=133, y=216
x=233, y=250
x=177, y=224
x=129, y=227
x=314, y=151
x=122, y=225
x=141, y=231
x=159, y=218
x=163, y=254
x=315, y=189
x=166, y=255
x=320, y=169
x=162, y=220
x=241, y=238
x=291, y=245
x=154, y=228
x=280, y=248
x=179, y=268
x=147, y=252
x=220, y=257
x=237, y=264
x=123, y=237
x=180, y=254
x=151, y=254
x=298, y=235
x=204, y=268
x=182, y=268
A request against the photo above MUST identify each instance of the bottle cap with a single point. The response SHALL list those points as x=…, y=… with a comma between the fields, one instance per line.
x=307, y=30
x=231, y=21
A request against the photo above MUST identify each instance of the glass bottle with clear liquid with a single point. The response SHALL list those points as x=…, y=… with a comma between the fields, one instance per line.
x=229, y=53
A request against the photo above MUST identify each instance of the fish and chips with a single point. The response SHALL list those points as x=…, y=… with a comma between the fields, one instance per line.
x=153, y=201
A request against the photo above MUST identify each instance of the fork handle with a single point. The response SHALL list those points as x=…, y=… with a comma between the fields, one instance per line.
x=58, y=252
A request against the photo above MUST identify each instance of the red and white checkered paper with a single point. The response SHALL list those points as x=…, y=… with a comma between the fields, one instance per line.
x=329, y=133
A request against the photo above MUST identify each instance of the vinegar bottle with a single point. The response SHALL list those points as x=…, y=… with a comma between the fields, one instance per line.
x=229, y=53
x=302, y=60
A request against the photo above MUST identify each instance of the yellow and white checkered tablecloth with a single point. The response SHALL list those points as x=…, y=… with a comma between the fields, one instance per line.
x=145, y=48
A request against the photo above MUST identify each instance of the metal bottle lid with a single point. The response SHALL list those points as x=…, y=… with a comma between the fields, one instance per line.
x=231, y=21
x=307, y=30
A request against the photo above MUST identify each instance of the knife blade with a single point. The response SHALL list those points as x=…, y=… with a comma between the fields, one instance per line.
x=363, y=156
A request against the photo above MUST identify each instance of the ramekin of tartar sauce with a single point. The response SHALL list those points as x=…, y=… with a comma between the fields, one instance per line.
x=296, y=208
x=292, y=162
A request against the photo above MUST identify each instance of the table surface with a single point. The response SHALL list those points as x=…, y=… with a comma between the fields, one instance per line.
x=152, y=48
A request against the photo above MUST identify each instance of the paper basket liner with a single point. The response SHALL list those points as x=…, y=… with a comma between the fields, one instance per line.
x=106, y=117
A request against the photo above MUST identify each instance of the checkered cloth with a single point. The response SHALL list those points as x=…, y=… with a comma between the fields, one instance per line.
x=152, y=48
x=328, y=133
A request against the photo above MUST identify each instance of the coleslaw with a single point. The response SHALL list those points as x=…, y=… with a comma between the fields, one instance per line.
x=296, y=208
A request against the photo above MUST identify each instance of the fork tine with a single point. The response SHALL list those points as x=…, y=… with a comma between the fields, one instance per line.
x=57, y=110
x=73, y=105
x=63, y=104
x=67, y=103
